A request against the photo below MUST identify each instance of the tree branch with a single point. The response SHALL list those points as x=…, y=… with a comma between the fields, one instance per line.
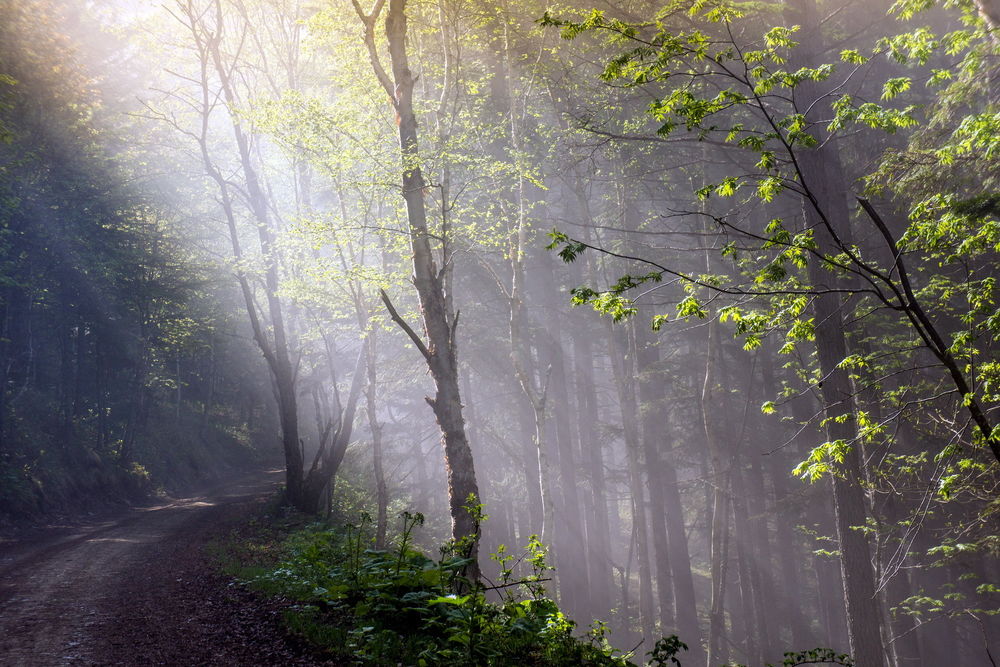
x=404, y=326
x=929, y=332
x=369, y=22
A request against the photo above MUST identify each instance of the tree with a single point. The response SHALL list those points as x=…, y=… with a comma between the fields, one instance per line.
x=439, y=319
x=207, y=26
x=776, y=115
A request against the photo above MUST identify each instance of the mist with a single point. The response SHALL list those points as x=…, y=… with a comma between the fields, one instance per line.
x=702, y=297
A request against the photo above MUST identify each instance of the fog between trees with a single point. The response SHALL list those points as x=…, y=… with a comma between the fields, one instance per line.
x=702, y=294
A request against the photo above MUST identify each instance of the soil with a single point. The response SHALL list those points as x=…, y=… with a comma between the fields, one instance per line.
x=140, y=589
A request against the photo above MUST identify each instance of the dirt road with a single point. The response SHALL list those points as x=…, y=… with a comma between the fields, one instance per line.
x=139, y=590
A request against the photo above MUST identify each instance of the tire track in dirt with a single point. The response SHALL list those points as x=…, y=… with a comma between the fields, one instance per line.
x=138, y=590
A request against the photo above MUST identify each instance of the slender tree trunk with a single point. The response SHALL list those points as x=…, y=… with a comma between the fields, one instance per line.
x=752, y=643
x=779, y=463
x=753, y=496
x=653, y=411
x=542, y=460
x=440, y=349
x=525, y=429
x=601, y=575
x=622, y=356
x=673, y=560
x=381, y=493
x=688, y=627
x=572, y=563
x=718, y=651
x=535, y=388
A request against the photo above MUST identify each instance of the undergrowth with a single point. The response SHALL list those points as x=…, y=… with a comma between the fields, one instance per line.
x=357, y=605
x=360, y=605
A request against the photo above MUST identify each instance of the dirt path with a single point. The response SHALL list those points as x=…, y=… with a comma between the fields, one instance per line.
x=139, y=590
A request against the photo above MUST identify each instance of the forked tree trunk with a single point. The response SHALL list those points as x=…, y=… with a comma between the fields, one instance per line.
x=305, y=491
x=208, y=47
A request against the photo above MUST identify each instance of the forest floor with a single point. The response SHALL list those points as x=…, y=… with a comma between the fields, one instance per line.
x=141, y=589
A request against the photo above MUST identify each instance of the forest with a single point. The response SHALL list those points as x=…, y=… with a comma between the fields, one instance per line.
x=584, y=332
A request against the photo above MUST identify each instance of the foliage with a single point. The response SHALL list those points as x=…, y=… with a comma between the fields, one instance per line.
x=817, y=656
x=754, y=105
x=914, y=273
x=768, y=284
x=395, y=606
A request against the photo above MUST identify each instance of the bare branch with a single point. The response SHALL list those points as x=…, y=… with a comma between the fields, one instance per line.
x=404, y=326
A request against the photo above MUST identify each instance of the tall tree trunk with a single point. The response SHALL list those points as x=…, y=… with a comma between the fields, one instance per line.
x=718, y=651
x=599, y=561
x=673, y=560
x=440, y=349
x=653, y=410
x=535, y=385
x=826, y=213
x=572, y=563
x=863, y=615
x=688, y=627
x=375, y=426
x=753, y=496
x=601, y=575
x=623, y=365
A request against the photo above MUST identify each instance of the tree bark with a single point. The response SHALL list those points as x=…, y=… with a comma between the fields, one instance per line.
x=864, y=619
